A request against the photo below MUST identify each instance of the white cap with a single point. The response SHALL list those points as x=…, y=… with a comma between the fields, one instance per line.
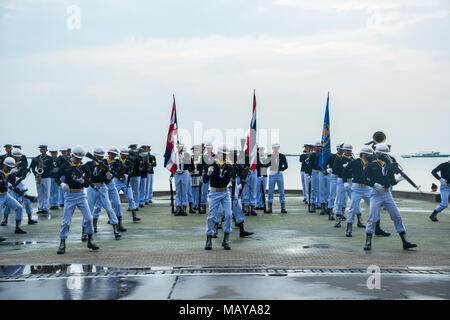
x=382, y=148
x=208, y=144
x=63, y=149
x=347, y=146
x=222, y=149
x=16, y=153
x=10, y=162
x=367, y=150
x=318, y=144
x=125, y=151
x=339, y=145
x=99, y=151
x=275, y=145
x=78, y=152
x=114, y=150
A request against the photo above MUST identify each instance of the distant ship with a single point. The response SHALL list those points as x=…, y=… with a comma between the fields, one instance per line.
x=426, y=154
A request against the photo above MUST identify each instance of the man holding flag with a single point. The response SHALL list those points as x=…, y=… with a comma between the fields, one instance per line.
x=323, y=156
x=170, y=155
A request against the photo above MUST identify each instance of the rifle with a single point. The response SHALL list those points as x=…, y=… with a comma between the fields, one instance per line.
x=22, y=193
x=243, y=181
x=171, y=194
x=403, y=174
x=79, y=173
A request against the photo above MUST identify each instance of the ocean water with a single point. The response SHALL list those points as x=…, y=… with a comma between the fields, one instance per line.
x=418, y=169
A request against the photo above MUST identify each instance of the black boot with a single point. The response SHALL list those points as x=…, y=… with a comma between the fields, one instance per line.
x=349, y=230
x=283, y=208
x=252, y=211
x=379, y=231
x=117, y=235
x=183, y=211
x=432, y=217
x=360, y=224
x=30, y=219
x=191, y=210
x=313, y=208
x=18, y=229
x=5, y=220
x=324, y=210
x=330, y=214
x=202, y=209
x=84, y=236
x=135, y=219
x=242, y=232
x=216, y=230
x=178, y=211
x=269, y=209
x=368, y=245
x=226, y=241
x=120, y=226
x=338, y=221
x=406, y=244
x=208, y=245
x=62, y=247
x=94, y=222
x=90, y=244
x=2, y=238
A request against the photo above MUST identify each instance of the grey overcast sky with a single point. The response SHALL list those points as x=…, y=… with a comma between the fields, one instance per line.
x=385, y=63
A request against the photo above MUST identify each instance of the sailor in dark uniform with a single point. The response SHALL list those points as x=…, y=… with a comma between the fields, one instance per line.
x=8, y=148
x=332, y=179
x=444, y=179
x=313, y=170
x=342, y=194
x=41, y=166
x=208, y=159
x=380, y=175
x=54, y=188
x=307, y=148
x=151, y=173
x=262, y=168
x=196, y=172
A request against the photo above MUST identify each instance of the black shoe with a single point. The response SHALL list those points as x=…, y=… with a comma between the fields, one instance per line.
x=349, y=230
x=183, y=211
x=313, y=208
x=120, y=226
x=242, y=231
x=62, y=247
x=5, y=221
x=54, y=208
x=18, y=229
x=368, y=245
x=208, y=245
x=252, y=211
x=141, y=206
x=379, y=231
x=331, y=216
x=30, y=220
x=226, y=241
x=338, y=221
x=84, y=236
x=324, y=210
x=359, y=224
x=202, y=209
x=135, y=219
x=432, y=217
x=2, y=238
x=61, y=205
x=150, y=201
x=269, y=210
x=90, y=244
x=94, y=222
x=129, y=209
x=283, y=208
x=191, y=210
x=406, y=244
x=117, y=235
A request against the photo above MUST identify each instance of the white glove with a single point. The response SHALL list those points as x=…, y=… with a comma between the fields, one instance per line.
x=179, y=171
x=80, y=180
x=210, y=170
x=230, y=185
x=329, y=170
x=399, y=179
x=109, y=175
x=125, y=177
x=347, y=186
x=345, y=165
x=443, y=181
x=14, y=170
x=378, y=187
x=65, y=187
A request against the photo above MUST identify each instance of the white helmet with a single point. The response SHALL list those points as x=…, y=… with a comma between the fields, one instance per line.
x=99, y=151
x=16, y=153
x=367, y=150
x=78, y=152
x=113, y=150
x=275, y=145
x=339, y=145
x=53, y=149
x=317, y=144
x=124, y=151
x=382, y=148
x=222, y=149
x=10, y=162
x=347, y=146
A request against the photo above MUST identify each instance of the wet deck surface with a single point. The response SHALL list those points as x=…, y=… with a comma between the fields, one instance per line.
x=296, y=240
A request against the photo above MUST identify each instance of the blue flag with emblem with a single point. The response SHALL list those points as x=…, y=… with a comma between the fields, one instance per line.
x=326, y=139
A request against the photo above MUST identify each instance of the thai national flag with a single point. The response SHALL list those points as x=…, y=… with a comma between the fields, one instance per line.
x=170, y=154
x=251, y=138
